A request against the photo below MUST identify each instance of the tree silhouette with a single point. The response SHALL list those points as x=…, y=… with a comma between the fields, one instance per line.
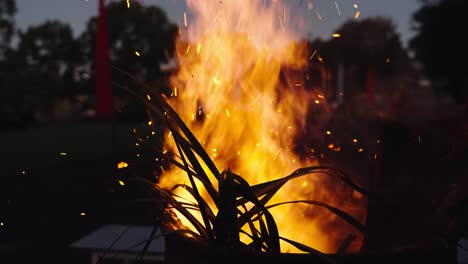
x=141, y=38
x=440, y=46
x=368, y=43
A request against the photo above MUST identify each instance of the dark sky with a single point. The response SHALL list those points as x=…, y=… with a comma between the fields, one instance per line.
x=77, y=12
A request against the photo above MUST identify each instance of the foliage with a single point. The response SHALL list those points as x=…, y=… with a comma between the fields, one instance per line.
x=439, y=45
x=146, y=30
x=7, y=10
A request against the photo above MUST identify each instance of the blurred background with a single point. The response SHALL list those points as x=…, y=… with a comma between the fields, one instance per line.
x=392, y=71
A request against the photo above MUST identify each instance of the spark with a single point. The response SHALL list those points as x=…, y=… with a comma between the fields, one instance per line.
x=188, y=49
x=375, y=156
x=419, y=139
x=318, y=15
x=82, y=213
x=281, y=23
x=198, y=48
x=387, y=60
x=336, y=35
x=137, y=53
x=136, y=144
x=228, y=113
x=185, y=19
x=122, y=183
x=312, y=150
x=148, y=97
x=150, y=123
x=152, y=133
x=361, y=149
x=321, y=96
x=175, y=91
x=320, y=59
x=317, y=101
x=298, y=84
x=328, y=132
x=276, y=154
x=357, y=14
x=313, y=54
x=331, y=146
x=337, y=8
x=355, y=6
x=355, y=140
x=138, y=155
x=23, y=172
x=256, y=99
x=170, y=134
x=63, y=153
x=128, y=3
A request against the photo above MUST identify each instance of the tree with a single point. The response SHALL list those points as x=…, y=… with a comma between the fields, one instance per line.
x=440, y=45
x=141, y=38
x=7, y=10
x=368, y=43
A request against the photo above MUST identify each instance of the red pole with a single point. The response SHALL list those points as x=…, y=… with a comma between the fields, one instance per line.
x=104, y=99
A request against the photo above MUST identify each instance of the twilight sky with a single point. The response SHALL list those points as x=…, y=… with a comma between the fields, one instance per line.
x=77, y=13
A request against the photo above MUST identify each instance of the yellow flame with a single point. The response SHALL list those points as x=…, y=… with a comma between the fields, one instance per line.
x=336, y=35
x=231, y=96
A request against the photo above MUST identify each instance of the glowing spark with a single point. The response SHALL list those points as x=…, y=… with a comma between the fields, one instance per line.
x=289, y=127
x=185, y=19
x=387, y=60
x=360, y=150
x=256, y=99
x=317, y=101
x=188, y=49
x=355, y=6
x=375, y=156
x=228, y=113
x=63, y=153
x=138, y=155
x=152, y=133
x=82, y=213
x=137, y=53
x=150, y=123
x=331, y=146
x=313, y=54
x=356, y=16
x=337, y=8
x=198, y=48
x=148, y=97
x=298, y=84
x=2, y=224
x=121, y=183
x=328, y=132
x=128, y=3
x=23, y=172
x=281, y=22
x=312, y=150
x=321, y=96
x=136, y=144
x=336, y=35
x=355, y=140
x=320, y=59
x=318, y=15
x=175, y=91
x=419, y=139
x=170, y=134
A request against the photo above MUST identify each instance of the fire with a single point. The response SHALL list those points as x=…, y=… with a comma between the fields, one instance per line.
x=238, y=93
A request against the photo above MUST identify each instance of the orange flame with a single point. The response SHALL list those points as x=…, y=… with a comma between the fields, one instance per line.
x=239, y=94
